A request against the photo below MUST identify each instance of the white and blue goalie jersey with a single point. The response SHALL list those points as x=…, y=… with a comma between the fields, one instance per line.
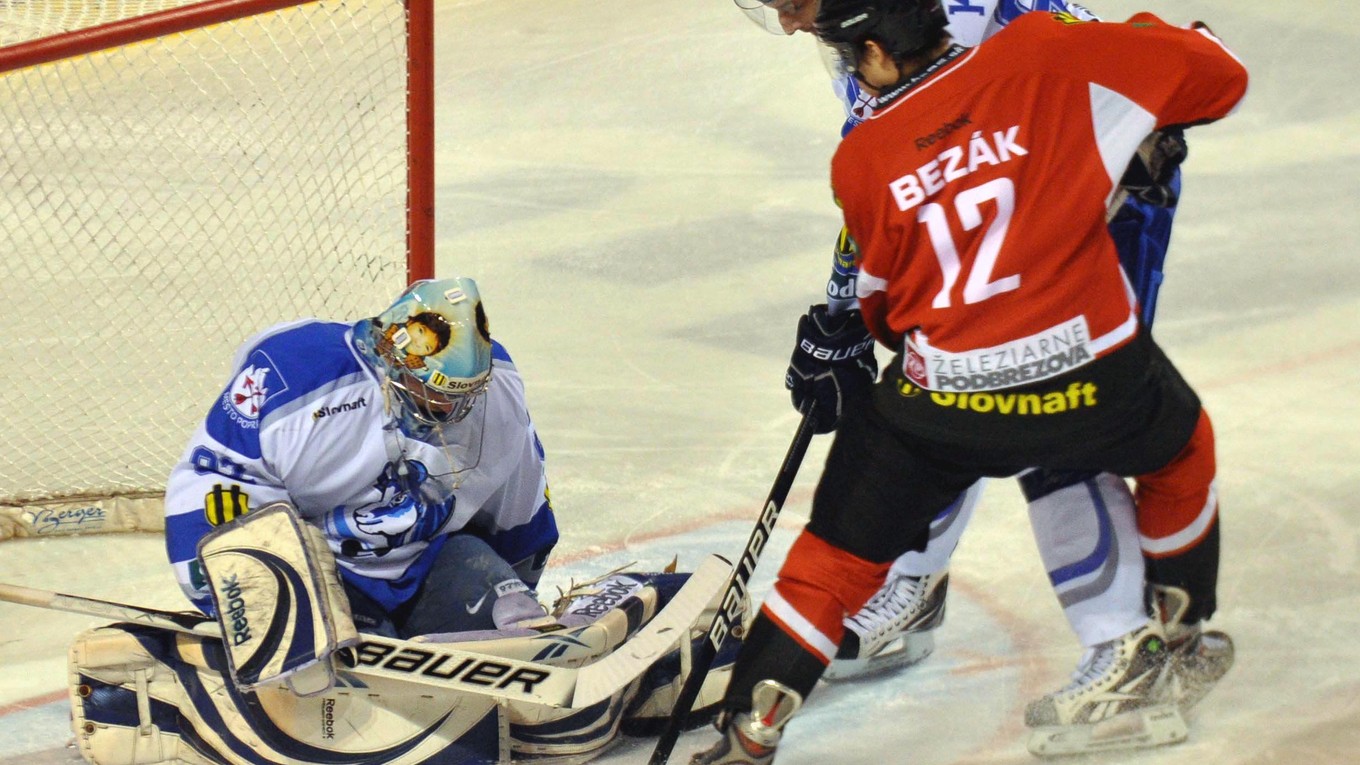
x=302, y=419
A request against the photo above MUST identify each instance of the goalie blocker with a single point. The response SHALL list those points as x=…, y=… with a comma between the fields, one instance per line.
x=148, y=695
x=278, y=598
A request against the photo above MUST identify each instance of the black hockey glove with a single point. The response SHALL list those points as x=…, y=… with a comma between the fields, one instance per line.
x=832, y=363
x=1151, y=170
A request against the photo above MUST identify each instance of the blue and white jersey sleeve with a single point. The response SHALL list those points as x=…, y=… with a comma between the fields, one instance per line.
x=231, y=463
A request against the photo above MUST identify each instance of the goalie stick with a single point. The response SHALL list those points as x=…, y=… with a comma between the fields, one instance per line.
x=729, y=609
x=433, y=665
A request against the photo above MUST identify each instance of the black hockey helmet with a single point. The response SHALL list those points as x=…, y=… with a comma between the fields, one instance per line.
x=904, y=28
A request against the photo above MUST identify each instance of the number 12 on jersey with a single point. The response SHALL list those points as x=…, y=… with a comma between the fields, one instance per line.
x=968, y=206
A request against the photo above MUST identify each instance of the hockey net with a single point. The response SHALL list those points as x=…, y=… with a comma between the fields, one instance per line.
x=174, y=178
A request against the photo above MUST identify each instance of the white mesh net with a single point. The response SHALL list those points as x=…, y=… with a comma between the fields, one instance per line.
x=162, y=201
x=23, y=20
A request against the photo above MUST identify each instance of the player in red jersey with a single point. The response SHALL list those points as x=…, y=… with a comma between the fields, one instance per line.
x=978, y=193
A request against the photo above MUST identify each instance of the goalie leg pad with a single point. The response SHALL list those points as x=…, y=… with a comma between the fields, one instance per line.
x=660, y=687
x=617, y=605
x=600, y=614
x=142, y=696
x=145, y=694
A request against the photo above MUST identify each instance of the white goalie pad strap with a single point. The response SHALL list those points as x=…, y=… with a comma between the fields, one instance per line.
x=278, y=599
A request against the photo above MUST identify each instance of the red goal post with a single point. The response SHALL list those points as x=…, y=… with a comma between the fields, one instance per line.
x=173, y=179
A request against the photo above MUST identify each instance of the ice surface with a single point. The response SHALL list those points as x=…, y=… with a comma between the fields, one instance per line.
x=640, y=189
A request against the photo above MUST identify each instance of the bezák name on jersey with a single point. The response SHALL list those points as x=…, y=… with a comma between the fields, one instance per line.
x=955, y=163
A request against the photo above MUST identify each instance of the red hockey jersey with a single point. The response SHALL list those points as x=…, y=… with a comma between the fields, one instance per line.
x=977, y=193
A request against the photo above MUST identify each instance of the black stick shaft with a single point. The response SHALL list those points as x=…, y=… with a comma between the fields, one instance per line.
x=729, y=612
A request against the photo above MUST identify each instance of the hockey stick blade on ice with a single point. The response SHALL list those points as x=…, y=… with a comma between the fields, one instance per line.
x=453, y=669
x=729, y=610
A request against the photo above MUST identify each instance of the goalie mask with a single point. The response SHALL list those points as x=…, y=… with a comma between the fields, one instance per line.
x=433, y=348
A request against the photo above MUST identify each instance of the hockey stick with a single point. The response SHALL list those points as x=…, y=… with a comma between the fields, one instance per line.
x=191, y=622
x=730, y=610
x=454, y=669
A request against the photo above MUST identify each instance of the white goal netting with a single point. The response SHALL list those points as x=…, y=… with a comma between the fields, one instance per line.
x=161, y=201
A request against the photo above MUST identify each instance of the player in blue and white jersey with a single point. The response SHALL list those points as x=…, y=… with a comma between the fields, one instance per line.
x=405, y=437
x=1084, y=523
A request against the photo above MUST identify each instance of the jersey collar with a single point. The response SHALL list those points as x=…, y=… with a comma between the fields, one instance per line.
x=918, y=77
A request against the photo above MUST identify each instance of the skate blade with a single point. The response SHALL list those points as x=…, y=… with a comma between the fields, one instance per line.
x=1139, y=729
x=903, y=651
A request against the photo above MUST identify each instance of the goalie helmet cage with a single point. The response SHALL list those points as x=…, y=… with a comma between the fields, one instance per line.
x=174, y=178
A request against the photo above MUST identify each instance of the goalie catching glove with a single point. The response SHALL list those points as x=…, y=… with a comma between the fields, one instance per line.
x=832, y=363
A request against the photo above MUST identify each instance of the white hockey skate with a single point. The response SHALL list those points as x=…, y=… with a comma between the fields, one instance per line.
x=1119, y=698
x=894, y=629
x=750, y=738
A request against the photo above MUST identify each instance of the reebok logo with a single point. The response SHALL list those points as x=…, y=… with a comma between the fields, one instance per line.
x=234, y=610
x=599, y=603
x=328, y=718
x=943, y=131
